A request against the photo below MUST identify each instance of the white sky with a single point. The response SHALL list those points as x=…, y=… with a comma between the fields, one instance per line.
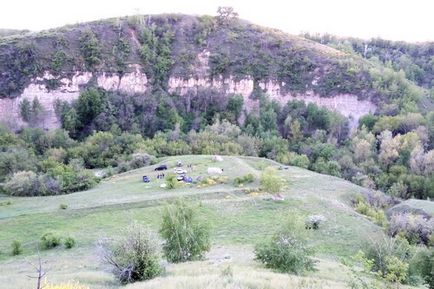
x=411, y=20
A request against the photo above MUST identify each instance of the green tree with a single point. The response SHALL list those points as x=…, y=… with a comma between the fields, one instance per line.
x=90, y=49
x=270, y=181
x=25, y=110
x=37, y=110
x=235, y=106
x=89, y=105
x=185, y=237
x=226, y=14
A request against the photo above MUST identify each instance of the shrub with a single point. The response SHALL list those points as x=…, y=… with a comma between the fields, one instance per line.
x=239, y=181
x=6, y=203
x=49, y=241
x=63, y=206
x=134, y=257
x=270, y=181
x=390, y=258
x=69, y=242
x=140, y=160
x=415, y=228
x=16, y=248
x=24, y=183
x=424, y=266
x=287, y=250
x=185, y=237
x=396, y=269
x=313, y=221
x=171, y=181
x=376, y=215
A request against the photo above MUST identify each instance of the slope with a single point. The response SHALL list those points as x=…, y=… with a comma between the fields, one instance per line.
x=239, y=218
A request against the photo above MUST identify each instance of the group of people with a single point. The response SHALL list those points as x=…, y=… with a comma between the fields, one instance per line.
x=160, y=176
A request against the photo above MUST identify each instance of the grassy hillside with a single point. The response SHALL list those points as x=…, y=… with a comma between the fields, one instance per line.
x=238, y=219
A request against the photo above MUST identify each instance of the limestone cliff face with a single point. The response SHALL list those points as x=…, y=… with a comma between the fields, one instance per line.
x=135, y=81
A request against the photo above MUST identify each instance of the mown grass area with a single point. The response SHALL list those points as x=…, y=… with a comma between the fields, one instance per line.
x=237, y=218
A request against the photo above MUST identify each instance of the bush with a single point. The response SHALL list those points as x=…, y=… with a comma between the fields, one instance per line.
x=424, y=266
x=375, y=214
x=390, y=258
x=185, y=237
x=287, y=250
x=313, y=221
x=16, y=248
x=24, y=183
x=69, y=242
x=239, y=181
x=417, y=229
x=396, y=269
x=134, y=257
x=63, y=206
x=141, y=160
x=270, y=181
x=171, y=181
x=49, y=241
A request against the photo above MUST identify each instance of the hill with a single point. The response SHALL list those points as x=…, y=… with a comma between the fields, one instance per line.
x=86, y=109
x=239, y=218
x=189, y=57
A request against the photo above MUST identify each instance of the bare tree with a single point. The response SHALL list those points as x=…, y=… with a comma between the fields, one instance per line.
x=226, y=14
x=39, y=271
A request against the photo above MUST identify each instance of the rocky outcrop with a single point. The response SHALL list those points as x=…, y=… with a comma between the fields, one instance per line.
x=69, y=90
x=136, y=82
x=348, y=105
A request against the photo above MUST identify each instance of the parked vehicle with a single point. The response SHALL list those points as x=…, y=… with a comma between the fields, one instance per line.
x=146, y=179
x=179, y=171
x=161, y=168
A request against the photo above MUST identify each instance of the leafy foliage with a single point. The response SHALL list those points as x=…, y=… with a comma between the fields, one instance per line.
x=134, y=257
x=287, y=250
x=69, y=242
x=49, y=241
x=425, y=266
x=185, y=237
x=270, y=181
x=16, y=248
x=90, y=49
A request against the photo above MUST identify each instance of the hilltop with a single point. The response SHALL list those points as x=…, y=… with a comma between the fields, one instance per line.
x=187, y=56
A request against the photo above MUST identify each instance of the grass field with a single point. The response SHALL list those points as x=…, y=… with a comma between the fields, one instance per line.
x=238, y=220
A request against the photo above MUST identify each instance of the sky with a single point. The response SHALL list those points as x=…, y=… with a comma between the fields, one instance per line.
x=409, y=20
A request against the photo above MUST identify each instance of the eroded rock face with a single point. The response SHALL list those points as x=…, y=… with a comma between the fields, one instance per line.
x=131, y=82
x=347, y=104
x=136, y=81
x=69, y=90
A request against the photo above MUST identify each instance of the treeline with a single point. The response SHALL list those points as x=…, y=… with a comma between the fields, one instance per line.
x=390, y=153
x=415, y=60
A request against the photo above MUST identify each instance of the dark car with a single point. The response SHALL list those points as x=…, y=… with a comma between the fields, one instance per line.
x=161, y=168
x=146, y=179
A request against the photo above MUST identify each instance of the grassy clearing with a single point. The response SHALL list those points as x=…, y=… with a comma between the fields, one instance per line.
x=237, y=219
